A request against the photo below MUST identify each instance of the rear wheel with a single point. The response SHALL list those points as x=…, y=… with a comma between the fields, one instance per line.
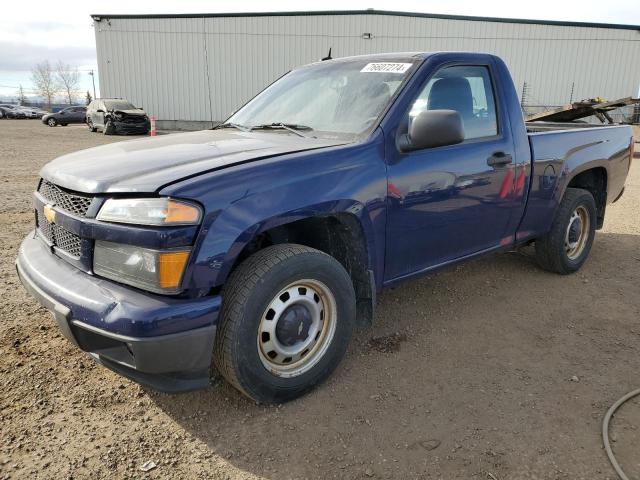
x=287, y=316
x=90, y=125
x=52, y=122
x=566, y=247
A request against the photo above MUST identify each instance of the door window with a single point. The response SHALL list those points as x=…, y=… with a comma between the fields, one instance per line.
x=467, y=90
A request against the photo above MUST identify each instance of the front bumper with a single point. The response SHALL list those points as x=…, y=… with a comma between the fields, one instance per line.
x=159, y=341
x=131, y=128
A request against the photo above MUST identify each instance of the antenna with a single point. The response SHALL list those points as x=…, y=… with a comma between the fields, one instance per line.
x=328, y=57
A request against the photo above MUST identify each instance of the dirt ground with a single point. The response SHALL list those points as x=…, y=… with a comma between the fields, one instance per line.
x=492, y=370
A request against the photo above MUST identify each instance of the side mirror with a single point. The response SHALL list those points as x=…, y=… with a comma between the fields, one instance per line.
x=433, y=128
x=99, y=110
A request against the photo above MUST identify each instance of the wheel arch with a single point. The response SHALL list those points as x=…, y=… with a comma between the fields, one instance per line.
x=594, y=179
x=342, y=234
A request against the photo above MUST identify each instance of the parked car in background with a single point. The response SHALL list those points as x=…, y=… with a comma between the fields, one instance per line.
x=11, y=111
x=31, y=112
x=115, y=115
x=41, y=112
x=64, y=117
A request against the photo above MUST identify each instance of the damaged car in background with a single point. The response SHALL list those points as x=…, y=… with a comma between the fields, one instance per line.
x=117, y=116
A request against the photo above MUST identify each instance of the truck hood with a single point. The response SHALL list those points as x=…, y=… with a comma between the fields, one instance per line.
x=146, y=165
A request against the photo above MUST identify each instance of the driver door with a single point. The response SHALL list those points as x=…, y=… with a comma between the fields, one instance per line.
x=449, y=202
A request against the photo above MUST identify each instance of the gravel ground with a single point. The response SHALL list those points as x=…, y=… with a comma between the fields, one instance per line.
x=492, y=370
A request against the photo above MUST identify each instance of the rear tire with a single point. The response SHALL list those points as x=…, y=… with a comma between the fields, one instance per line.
x=566, y=247
x=92, y=129
x=288, y=313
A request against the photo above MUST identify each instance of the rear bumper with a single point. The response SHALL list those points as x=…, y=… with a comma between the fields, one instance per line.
x=136, y=334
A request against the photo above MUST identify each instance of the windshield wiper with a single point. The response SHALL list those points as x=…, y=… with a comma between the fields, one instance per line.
x=291, y=127
x=233, y=125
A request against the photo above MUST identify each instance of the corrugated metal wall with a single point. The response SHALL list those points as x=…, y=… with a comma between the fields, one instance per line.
x=163, y=64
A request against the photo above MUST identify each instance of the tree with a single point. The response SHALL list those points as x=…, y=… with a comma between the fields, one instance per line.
x=45, y=82
x=69, y=79
x=88, y=98
x=22, y=98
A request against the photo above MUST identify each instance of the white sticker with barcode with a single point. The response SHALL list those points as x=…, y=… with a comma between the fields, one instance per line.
x=387, y=67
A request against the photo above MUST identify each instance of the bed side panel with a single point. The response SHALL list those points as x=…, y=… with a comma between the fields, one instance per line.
x=558, y=156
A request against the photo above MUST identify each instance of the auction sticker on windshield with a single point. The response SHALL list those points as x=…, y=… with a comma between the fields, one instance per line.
x=387, y=67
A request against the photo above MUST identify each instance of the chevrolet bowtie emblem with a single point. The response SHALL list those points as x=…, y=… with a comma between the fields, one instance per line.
x=49, y=213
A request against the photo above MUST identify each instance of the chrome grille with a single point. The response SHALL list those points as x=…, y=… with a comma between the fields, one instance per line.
x=59, y=236
x=74, y=203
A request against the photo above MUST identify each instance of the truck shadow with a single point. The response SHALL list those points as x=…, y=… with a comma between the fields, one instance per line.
x=448, y=379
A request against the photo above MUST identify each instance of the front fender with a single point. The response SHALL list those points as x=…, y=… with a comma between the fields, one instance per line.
x=230, y=239
x=246, y=200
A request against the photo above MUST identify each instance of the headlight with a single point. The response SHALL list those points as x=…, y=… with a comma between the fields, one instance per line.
x=161, y=211
x=153, y=270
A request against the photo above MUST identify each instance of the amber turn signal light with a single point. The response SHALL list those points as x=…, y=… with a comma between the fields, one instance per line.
x=171, y=267
x=180, y=212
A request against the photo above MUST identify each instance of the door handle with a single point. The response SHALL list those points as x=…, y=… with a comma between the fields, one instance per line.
x=499, y=159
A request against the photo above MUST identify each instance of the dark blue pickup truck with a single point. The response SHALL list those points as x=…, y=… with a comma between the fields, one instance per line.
x=255, y=248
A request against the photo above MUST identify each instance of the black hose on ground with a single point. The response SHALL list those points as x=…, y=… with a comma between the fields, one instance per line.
x=605, y=432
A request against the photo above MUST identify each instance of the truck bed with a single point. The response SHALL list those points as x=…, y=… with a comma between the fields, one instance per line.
x=560, y=151
x=582, y=147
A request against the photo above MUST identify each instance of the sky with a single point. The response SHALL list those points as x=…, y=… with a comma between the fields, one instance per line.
x=40, y=30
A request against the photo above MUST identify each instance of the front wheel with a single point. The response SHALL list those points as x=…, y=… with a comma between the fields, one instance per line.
x=566, y=247
x=108, y=128
x=287, y=316
x=52, y=122
x=91, y=127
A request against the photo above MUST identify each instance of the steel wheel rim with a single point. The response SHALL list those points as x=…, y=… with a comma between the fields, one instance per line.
x=285, y=360
x=577, y=234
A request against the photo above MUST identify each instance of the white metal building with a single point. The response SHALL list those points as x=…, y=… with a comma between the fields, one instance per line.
x=201, y=67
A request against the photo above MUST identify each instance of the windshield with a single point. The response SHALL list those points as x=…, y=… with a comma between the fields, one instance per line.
x=118, y=105
x=333, y=99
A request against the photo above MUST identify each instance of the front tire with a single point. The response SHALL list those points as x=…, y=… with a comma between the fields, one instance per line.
x=287, y=316
x=566, y=247
x=92, y=129
x=52, y=122
x=108, y=128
